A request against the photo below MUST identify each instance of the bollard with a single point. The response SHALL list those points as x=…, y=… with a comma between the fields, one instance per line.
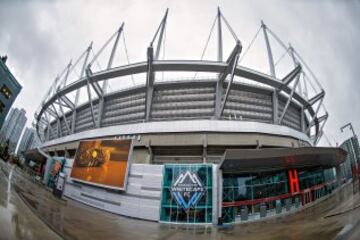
x=278, y=207
x=288, y=204
x=262, y=210
x=297, y=202
x=244, y=214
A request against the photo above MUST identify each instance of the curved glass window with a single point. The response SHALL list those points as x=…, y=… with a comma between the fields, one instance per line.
x=249, y=194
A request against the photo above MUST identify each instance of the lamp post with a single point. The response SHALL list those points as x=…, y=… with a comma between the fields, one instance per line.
x=351, y=128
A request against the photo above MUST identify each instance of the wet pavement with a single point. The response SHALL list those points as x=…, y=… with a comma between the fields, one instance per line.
x=17, y=221
x=28, y=211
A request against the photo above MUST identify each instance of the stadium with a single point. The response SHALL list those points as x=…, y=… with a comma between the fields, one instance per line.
x=234, y=147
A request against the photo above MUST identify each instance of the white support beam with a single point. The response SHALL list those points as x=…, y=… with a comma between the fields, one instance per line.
x=302, y=119
x=150, y=74
x=306, y=92
x=105, y=82
x=316, y=98
x=228, y=87
x=319, y=119
x=296, y=62
x=159, y=32
x=149, y=83
x=94, y=85
x=321, y=131
x=51, y=112
x=78, y=90
x=112, y=55
x=289, y=100
x=59, y=130
x=275, y=100
x=67, y=102
x=59, y=103
x=291, y=75
x=64, y=118
x=67, y=74
x=47, y=137
x=323, y=117
x=318, y=107
x=269, y=52
x=90, y=102
x=219, y=37
x=43, y=121
x=232, y=59
x=59, y=133
x=161, y=35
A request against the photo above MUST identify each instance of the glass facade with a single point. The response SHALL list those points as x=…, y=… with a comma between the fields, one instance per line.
x=247, y=187
x=254, y=195
x=308, y=179
x=187, y=193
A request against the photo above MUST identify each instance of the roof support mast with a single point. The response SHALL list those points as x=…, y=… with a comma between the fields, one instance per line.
x=112, y=55
x=219, y=35
x=231, y=62
x=296, y=62
x=275, y=100
x=78, y=91
x=105, y=83
x=150, y=75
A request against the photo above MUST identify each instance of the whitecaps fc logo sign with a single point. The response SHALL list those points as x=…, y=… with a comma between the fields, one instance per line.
x=187, y=189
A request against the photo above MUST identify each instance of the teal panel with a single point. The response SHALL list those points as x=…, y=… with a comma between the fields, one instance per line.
x=187, y=193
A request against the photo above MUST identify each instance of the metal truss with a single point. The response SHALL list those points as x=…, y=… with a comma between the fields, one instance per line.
x=293, y=85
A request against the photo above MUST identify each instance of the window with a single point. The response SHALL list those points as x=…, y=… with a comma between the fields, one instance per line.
x=6, y=91
x=249, y=187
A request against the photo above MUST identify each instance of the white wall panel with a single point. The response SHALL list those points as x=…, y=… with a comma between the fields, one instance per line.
x=140, y=200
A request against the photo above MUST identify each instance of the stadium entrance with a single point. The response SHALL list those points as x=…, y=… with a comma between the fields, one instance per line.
x=280, y=180
x=187, y=193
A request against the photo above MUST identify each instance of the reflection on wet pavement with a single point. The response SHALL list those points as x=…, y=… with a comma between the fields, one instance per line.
x=16, y=220
x=73, y=220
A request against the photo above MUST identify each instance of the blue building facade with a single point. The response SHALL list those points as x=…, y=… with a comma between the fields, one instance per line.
x=9, y=89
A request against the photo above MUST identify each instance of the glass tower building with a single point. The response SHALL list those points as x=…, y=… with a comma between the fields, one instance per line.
x=9, y=89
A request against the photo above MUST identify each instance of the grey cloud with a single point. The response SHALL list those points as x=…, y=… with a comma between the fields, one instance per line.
x=40, y=37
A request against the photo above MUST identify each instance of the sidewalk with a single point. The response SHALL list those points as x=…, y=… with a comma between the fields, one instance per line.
x=73, y=220
x=17, y=221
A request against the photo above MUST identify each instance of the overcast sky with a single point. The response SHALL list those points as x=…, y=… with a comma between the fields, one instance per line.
x=40, y=37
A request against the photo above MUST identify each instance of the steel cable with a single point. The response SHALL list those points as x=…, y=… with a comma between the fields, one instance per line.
x=248, y=47
x=127, y=55
x=207, y=43
x=281, y=57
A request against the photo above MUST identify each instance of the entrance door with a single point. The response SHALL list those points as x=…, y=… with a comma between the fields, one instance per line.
x=187, y=193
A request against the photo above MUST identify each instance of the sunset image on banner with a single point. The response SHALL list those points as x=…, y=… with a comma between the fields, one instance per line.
x=102, y=162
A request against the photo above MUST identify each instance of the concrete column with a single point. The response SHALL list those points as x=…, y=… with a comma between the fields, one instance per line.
x=204, y=148
x=217, y=193
x=339, y=176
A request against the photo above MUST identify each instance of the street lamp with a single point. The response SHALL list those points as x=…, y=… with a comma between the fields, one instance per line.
x=351, y=128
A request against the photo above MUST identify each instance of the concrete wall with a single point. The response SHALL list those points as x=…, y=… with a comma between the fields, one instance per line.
x=140, y=200
x=144, y=142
